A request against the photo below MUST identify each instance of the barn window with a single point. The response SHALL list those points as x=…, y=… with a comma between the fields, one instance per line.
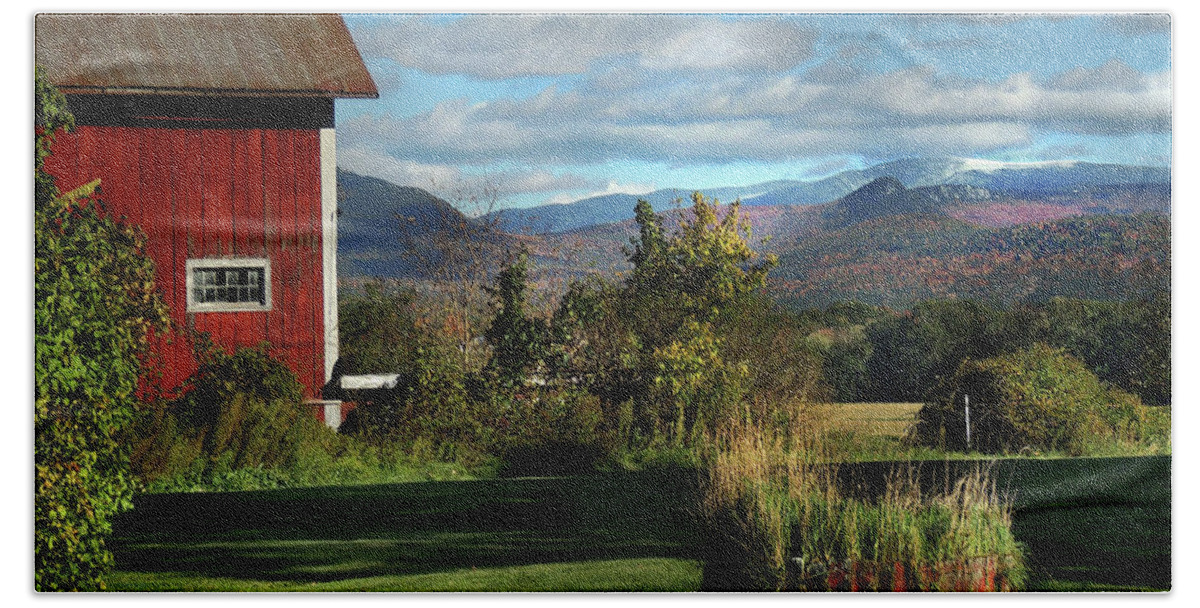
x=228, y=285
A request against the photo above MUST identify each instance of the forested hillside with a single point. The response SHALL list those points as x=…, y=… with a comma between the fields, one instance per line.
x=883, y=244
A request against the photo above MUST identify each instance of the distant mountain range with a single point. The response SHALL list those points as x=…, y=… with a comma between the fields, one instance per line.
x=1019, y=180
x=888, y=245
x=1013, y=233
x=388, y=230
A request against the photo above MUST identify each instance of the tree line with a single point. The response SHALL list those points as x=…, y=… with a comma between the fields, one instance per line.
x=658, y=357
x=874, y=354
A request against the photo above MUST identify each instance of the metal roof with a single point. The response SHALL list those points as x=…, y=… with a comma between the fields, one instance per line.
x=248, y=54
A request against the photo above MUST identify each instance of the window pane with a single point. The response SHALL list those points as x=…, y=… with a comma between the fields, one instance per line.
x=231, y=285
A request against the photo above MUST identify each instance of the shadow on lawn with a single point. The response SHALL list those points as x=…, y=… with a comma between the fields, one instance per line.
x=327, y=534
x=1087, y=524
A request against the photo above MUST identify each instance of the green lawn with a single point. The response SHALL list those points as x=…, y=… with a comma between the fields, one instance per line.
x=1088, y=524
x=1094, y=524
x=619, y=531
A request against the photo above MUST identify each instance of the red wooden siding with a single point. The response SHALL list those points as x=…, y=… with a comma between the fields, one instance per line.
x=218, y=192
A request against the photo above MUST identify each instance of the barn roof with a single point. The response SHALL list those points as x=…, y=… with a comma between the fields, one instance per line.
x=289, y=55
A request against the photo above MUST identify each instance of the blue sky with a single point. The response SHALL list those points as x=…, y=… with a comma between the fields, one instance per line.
x=551, y=108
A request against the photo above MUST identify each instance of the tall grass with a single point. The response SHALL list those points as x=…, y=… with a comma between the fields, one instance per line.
x=779, y=521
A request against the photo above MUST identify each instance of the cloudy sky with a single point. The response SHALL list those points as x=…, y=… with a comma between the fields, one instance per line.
x=553, y=108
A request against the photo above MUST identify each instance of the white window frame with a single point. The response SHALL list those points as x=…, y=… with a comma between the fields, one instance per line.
x=206, y=263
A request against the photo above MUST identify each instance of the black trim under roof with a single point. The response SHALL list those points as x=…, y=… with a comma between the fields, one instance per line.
x=201, y=112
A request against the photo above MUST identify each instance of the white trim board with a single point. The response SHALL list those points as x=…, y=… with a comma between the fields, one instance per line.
x=329, y=210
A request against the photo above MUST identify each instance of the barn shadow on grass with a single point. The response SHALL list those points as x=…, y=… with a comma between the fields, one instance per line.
x=1087, y=524
x=328, y=534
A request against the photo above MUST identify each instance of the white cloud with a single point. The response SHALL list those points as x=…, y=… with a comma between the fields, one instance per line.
x=1139, y=24
x=365, y=161
x=1108, y=100
x=1114, y=74
x=738, y=45
x=506, y=46
x=768, y=118
x=457, y=186
x=613, y=187
x=688, y=89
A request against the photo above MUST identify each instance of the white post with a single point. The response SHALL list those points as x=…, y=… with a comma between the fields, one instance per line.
x=967, y=408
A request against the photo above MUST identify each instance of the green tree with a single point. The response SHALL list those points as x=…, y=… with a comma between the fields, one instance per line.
x=378, y=330
x=845, y=366
x=517, y=340
x=695, y=273
x=911, y=354
x=95, y=304
x=682, y=285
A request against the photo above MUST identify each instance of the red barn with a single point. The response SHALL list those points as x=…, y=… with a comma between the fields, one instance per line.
x=215, y=134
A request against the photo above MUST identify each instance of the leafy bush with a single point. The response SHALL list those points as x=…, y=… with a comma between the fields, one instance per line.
x=95, y=304
x=242, y=426
x=242, y=411
x=550, y=431
x=693, y=388
x=1040, y=398
x=782, y=369
x=1125, y=343
x=915, y=352
x=905, y=355
x=431, y=410
x=377, y=330
x=244, y=405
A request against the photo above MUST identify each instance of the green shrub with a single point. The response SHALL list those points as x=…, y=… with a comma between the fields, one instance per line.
x=1040, y=398
x=550, y=431
x=242, y=411
x=430, y=409
x=783, y=374
x=377, y=330
x=244, y=404
x=95, y=304
x=518, y=341
x=693, y=388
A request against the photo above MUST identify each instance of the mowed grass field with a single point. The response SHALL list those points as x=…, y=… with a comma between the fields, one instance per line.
x=603, y=532
x=1087, y=524
x=874, y=419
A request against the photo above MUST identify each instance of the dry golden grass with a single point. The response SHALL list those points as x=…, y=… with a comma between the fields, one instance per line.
x=778, y=500
x=873, y=419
